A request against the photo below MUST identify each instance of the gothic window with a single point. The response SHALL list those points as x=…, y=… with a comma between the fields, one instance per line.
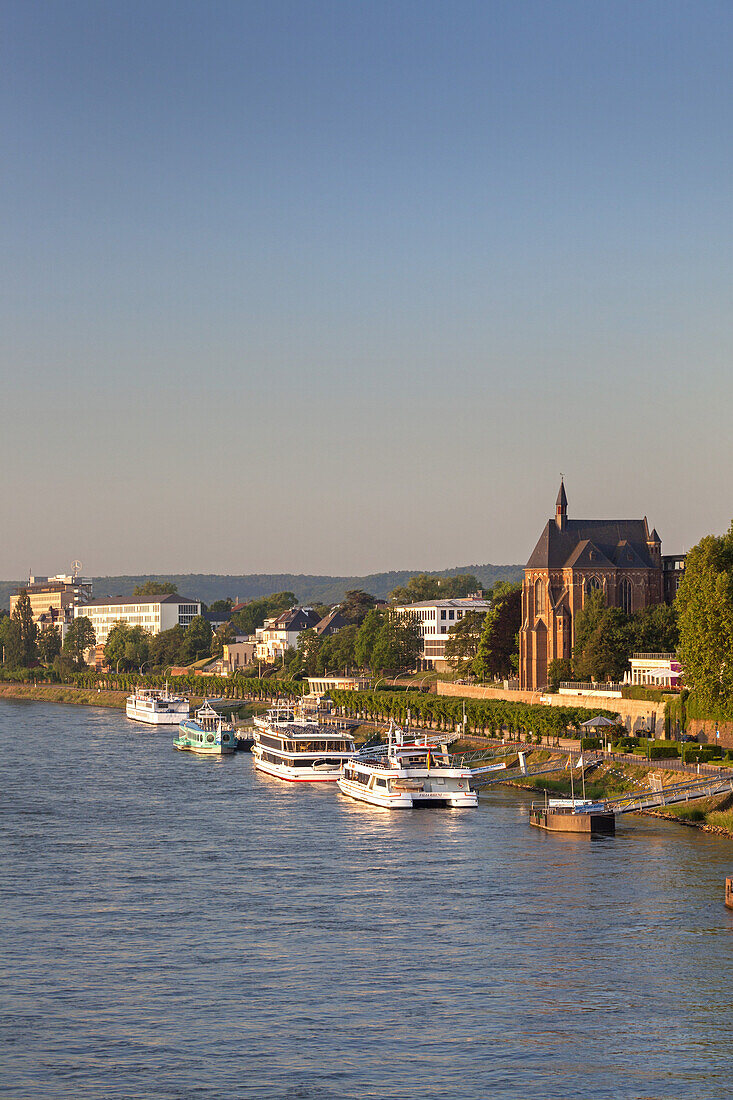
x=539, y=597
x=624, y=592
x=592, y=585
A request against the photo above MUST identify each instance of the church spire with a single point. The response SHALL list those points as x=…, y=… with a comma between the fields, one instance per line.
x=561, y=506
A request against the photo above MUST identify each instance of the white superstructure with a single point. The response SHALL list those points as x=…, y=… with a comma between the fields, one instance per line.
x=155, y=614
x=157, y=707
x=292, y=746
x=408, y=771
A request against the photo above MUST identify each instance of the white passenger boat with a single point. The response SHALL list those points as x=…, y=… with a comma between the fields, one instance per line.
x=157, y=707
x=408, y=771
x=293, y=746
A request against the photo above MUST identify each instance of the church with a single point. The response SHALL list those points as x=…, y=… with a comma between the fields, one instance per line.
x=574, y=557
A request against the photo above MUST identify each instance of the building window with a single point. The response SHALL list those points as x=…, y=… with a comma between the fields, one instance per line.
x=592, y=585
x=539, y=597
x=625, y=595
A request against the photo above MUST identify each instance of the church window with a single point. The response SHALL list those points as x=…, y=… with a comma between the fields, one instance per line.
x=539, y=598
x=625, y=595
x=592, y=585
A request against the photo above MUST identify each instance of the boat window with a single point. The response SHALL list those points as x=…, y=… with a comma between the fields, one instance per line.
x=210, y=738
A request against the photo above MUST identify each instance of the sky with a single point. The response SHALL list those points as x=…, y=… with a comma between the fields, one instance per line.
x=342, y=287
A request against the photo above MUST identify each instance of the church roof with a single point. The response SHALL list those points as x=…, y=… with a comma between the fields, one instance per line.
x=562, y=500
x=611, y=539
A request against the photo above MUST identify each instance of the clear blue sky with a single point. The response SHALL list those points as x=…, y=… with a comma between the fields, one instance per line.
x=341, y=287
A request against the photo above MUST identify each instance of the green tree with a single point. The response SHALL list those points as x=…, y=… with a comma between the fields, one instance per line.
x=656, y=629
x=397, y=645
x=165, y=648
x=427, y=586
x=49, y=644
x=23, y=616
x=705, y=607
x=10, y=640
x=356, y=605
x=221, y=607
x=79, y=638
x=114, y=647
x=558, y=670
x=461, y=646
x=197, y=641
x=498, y=648
x=367, y=637
x=605, y=651
x=223, y=635
x=256, y=611
x=154, y=588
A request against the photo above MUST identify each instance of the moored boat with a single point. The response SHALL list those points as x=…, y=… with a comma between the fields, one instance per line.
x=293, y=746
x=207, y=734
x=156, y=707
x=408, y=771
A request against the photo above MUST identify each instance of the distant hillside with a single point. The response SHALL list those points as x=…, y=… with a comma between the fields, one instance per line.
x=308, y=588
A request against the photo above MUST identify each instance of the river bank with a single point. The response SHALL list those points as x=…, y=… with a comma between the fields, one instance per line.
x=710, y=815
x=64, y=693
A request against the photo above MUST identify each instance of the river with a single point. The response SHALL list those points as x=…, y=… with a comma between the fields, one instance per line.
x=176, y=927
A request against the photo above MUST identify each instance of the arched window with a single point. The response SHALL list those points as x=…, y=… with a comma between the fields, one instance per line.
x=539, y=597
x=624, y=594
x=592, y=585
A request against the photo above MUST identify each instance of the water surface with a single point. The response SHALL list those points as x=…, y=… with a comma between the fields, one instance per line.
x=177, y=927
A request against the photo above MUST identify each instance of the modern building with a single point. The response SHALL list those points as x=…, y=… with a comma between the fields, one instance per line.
x=281, y=632
x=321, y=685
x=436, y=617
x=154, y=614
x=53, y=599
x=575, y=557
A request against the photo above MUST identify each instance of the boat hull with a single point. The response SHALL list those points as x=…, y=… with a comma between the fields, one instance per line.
x=151, y=718
x=406, y=799
x=588, y=824
x=295, y=775
x=202, y=750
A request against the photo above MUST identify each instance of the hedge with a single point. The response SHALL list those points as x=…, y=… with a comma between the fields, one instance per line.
x=440, y=712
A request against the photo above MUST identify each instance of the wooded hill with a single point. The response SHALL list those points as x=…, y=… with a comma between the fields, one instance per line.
x=308, y=588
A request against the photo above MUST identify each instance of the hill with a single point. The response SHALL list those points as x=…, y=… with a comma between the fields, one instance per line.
x=308, y=588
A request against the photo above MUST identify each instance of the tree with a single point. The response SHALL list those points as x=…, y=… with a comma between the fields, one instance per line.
x=28, y=631
x=367, y=637
x=223, y=635
x=127, y=647
x=12, y=649
x=197, y=640
x=49, y=644
x=165, y=648
x=79, y=638
x=154, y=588
x=427, y=586
x=498, y=648
x=254, y=614
x=656, y=629
x=356, y=605
x=221, y=607
x=558, y=670
x=397, y=645
x=705, y=607
x=463, y=639
x=604, y=639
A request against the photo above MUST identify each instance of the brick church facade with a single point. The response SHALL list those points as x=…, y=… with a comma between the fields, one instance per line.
x=574, y=557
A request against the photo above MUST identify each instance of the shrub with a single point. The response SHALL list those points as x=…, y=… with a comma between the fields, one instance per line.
x=590, y=743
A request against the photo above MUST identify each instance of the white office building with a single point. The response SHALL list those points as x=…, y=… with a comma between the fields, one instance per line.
x=436, y=617
x=154, y=614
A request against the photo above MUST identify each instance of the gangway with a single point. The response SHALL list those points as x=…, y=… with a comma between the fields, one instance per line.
x=659, y=795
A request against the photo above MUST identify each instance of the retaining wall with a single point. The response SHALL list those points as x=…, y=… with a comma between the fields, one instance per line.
x=635, y=714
